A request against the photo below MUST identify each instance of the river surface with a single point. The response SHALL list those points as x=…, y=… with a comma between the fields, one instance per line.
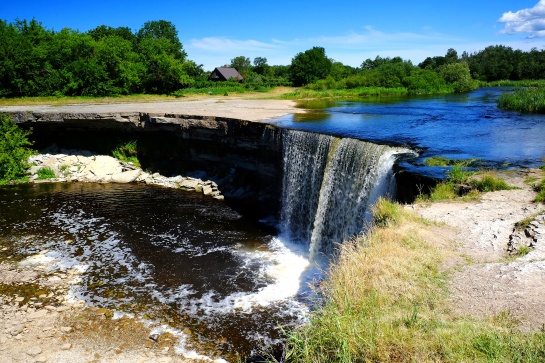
x=167, y=256
x=458, y=126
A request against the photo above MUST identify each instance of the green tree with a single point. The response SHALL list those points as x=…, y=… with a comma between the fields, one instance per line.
x=242, y=64
x=459, y=76
x=104, y=31
x=261, y=67
x=309, y=66
x=162, y=29
x=340, y=71
x=14, y=151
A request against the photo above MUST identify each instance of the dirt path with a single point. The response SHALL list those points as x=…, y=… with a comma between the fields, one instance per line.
x=485, y=279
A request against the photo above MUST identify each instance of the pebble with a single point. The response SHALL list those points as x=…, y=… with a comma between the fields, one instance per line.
x=66, y=346
x=17, y=329
x=34, y=351
x=66, y=329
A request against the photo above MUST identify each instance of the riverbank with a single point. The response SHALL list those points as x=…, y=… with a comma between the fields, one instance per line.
x=41, y=322
x=437, y=282
x=488, y=284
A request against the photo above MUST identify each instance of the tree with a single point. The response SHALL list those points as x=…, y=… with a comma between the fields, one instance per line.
x=260, y=66
x=162, y=29
x=458, y=75
x=242, y=64
x=104, y=31
x=309, y=66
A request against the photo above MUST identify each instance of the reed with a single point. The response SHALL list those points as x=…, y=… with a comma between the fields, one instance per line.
x=524, y=99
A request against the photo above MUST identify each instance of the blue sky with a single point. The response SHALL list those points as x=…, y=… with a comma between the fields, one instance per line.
x=214, y=32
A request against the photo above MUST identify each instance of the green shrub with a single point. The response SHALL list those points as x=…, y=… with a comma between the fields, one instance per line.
x=443, y=191
x=489, y=183
x=14, y=151
x=458, y=175
x=45, y=173
x=127, y=152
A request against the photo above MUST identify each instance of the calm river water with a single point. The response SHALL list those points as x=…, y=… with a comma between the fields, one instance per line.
x=456, y=126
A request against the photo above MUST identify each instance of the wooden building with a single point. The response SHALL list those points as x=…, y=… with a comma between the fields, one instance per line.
x=225, y=74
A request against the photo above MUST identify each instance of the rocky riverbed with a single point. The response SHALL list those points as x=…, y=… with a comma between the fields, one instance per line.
x=41, y=322
x=83, y=166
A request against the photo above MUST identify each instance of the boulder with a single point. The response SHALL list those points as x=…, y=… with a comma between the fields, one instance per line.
x=104, y=165
x=126, y=176
x=189, y=184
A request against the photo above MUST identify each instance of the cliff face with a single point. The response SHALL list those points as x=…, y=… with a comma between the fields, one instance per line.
x=243, y=157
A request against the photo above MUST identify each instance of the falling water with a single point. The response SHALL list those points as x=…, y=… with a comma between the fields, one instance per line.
x=329, y=184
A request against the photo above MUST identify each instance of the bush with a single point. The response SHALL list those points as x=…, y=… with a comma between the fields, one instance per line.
x=14, y=151
x=489, y=183
x=127, y=152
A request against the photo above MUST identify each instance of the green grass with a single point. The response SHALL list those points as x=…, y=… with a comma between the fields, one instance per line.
x=127, y=152
x=385, y=300
x=45, y=173
x=443, y=161
x=466, y=184
x=524, y=99
x=508, y=83
x=489, y=183
x=344, y=93
x=540, y=189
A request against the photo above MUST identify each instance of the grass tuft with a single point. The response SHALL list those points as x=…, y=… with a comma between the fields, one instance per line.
x=462, y=183
x=540, y=189
x=45, y=173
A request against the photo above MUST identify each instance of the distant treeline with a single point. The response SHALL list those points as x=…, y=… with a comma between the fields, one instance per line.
x=105, y=61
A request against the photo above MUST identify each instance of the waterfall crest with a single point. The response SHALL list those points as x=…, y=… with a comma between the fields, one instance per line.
x=328, y=186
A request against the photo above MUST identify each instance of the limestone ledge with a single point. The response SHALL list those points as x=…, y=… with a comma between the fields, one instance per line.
x=82, y=166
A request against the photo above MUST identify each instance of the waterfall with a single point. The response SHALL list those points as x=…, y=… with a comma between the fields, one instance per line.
x=328, y=185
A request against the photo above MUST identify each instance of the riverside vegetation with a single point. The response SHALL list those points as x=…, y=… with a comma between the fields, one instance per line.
x=110, y=62
x=14, y=151
x=385, y=300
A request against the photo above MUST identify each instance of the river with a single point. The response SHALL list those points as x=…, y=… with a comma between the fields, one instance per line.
x=457, y=126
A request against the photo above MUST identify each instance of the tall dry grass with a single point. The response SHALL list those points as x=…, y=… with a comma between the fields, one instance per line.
x=385, y=300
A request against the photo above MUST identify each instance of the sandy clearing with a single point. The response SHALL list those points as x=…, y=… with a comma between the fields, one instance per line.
x=250, y=110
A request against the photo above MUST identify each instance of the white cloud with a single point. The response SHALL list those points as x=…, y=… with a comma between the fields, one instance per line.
x=223, y=44
x=531, y=20
x=351, y=48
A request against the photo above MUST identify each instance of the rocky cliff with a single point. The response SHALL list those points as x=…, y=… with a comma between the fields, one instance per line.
x=243, y=157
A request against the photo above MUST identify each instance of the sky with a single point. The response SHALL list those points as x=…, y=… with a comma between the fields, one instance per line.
x=351, y=31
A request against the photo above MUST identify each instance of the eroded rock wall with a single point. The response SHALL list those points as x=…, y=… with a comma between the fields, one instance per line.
x=242, y=157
